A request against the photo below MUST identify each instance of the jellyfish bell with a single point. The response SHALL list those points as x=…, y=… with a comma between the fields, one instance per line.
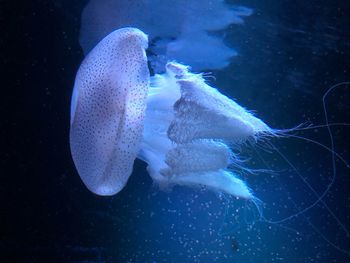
x=175, y=122
x=107, y=110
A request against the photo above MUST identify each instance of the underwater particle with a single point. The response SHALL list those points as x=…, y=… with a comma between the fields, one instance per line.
x=234, y=244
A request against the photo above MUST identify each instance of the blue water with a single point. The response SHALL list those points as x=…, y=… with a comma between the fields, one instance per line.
x=289, y=53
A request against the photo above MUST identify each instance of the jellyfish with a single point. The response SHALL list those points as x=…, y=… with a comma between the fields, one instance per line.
x=185, y=130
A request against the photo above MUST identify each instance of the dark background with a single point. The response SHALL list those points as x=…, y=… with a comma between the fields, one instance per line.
x=290, y=53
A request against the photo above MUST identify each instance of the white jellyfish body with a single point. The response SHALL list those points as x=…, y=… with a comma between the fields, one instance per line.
x=107, y=110
x=175, y=122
